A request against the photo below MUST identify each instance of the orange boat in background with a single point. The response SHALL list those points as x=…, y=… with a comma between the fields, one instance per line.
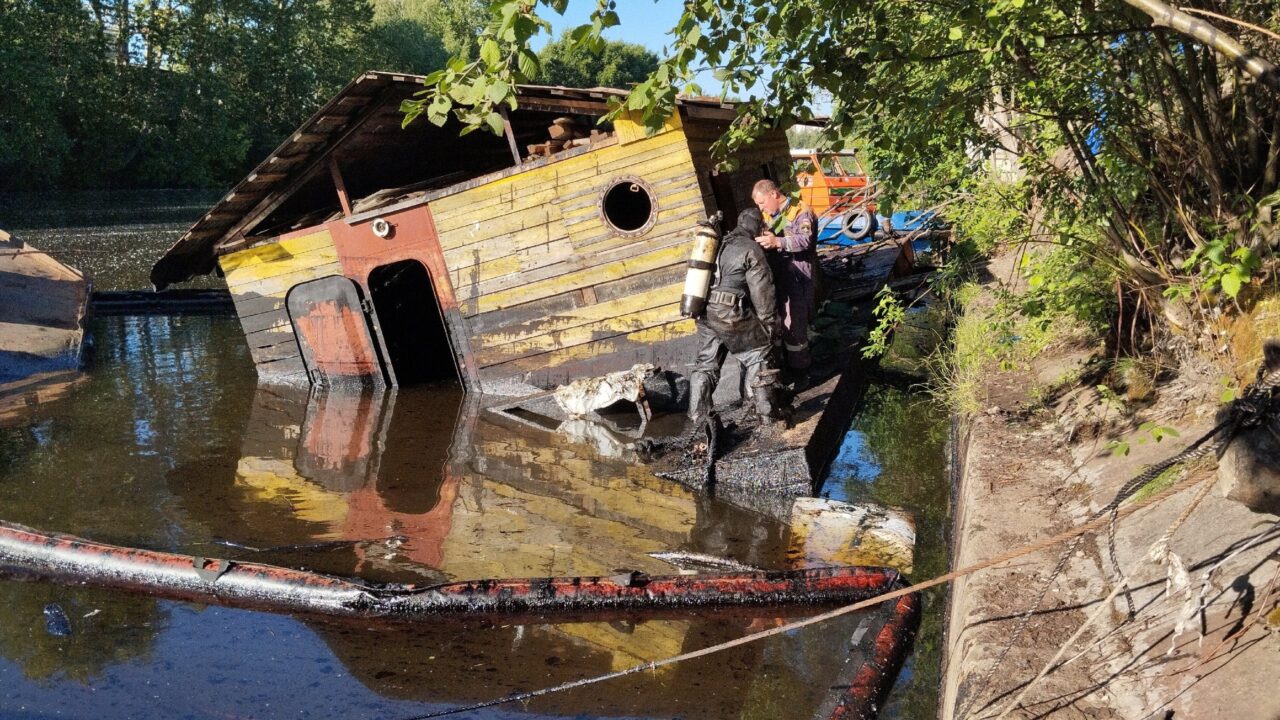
x=844, y=201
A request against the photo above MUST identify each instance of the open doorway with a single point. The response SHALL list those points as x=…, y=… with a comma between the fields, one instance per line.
x=412, y=325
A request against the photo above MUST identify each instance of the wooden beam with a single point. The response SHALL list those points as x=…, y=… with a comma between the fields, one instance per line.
x=331, y=122
x=336, y=174
x=578, y=107
x=280, y=162
x=353, y=101
x=511, y=136
x=266, y=177
x=236, y=234
x=703, y=112
x=310, y=138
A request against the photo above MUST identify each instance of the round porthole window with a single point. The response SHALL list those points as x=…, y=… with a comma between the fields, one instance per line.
x=628, y=206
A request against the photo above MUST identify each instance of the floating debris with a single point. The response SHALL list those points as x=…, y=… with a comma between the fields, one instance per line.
x=830, y=532
x=42, y=309
x=391, y=542
x=56, y=622
x=587, y=395
x=702, y=562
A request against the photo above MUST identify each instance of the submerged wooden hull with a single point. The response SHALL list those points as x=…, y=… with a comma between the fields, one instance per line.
x=536, y=283
x=531, y=282
x=43, y=304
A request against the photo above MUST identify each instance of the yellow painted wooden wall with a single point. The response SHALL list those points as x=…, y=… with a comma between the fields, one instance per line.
x=542, y=280
x=768, y=155
x=259, y=278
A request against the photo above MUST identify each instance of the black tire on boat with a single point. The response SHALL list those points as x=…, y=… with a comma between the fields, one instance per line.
x=858, y=224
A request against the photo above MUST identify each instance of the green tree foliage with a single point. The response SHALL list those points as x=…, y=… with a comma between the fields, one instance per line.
x=44, y=50
x=1140, y=146
x=614, y=64
x=165, y=93
x=418, y=36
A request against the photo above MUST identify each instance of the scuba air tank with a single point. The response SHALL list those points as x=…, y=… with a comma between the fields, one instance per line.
x=702, y=267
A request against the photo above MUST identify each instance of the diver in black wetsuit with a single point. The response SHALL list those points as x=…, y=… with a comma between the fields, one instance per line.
x=741, y=318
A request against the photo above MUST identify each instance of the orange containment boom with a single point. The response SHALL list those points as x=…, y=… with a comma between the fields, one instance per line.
x=28, y=553
x=872, y=666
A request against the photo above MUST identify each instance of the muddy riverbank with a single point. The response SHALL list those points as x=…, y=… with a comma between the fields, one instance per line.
x=1043, y=453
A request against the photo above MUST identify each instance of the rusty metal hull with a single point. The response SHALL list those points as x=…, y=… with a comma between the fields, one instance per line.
x=25, y=552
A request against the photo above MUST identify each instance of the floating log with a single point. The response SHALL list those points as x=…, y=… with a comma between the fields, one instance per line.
x=25, y=552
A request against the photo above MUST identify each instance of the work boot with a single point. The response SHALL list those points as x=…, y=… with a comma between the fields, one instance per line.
x=701, y=388
x=795, y=378
x=765, y=392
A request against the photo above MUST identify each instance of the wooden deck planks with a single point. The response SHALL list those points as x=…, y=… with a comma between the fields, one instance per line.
x=524, y=211
x=554, y=259
x=528, y=316
x=533, y=248
x=578, y=325
x=602, y=346
x=590, y=274
x=580, y=335
x=278, y=285
x=673, y=224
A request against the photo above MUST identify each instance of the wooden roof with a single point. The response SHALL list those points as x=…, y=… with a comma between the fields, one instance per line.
x=349, y=114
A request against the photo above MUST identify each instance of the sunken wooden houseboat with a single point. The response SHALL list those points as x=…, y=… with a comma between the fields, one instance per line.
x=359, y=250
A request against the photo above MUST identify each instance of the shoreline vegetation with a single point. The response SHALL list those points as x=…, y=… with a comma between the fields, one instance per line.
x=121, y=94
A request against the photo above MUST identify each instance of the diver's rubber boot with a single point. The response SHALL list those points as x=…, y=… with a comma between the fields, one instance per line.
x=701, y=388
x=766, y=393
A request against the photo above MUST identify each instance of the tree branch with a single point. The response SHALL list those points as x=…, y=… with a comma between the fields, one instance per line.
x=1233, y=21
x=1162, y=14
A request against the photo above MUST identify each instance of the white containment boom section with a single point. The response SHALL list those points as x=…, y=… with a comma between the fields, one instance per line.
x=829, y=532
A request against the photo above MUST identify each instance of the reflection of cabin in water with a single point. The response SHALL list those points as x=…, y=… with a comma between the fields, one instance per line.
x=361, y=250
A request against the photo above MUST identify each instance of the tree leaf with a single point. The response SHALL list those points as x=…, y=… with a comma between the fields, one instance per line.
x=490, y=53
x=527, y=64
x=494, y=121
x=437, y=115
x=1231, y=283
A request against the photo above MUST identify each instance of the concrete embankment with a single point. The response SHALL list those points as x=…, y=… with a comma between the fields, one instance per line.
x=1036, y=459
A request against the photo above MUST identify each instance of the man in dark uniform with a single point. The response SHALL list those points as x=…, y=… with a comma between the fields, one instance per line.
x=741, y=318
x=791, y=243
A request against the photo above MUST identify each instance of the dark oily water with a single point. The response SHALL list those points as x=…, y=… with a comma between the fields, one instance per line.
x=112, y=236
x=895, y=454
x=171, y=445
